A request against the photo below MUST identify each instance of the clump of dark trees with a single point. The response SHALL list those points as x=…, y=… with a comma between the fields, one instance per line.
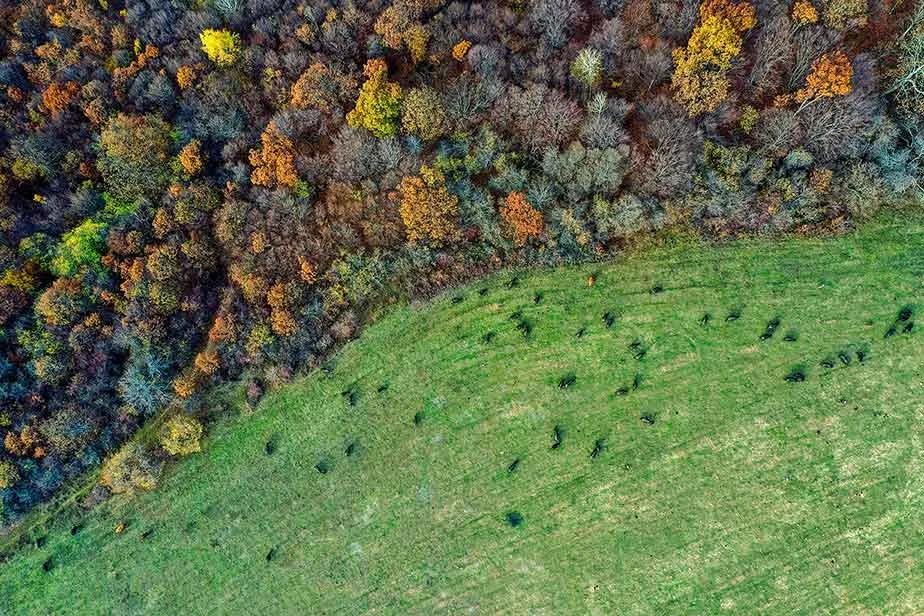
x=193, y=190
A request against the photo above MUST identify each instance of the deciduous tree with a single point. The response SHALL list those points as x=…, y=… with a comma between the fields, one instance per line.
x=524, y=222
x=843, y=14
x=223, y=47
x=587, y=67
x=274, y=161
x=181, y=435
x=58, y=96
x=320, y=87
x=804, y=12
x=9, y=474
x=80, y=248
x=908, y=84
x=831, y=76
x=130, y=469
x=135, y=161
x=422, y=114
x=699, y=77
x=429, y=211
x=190, y=157
x=379, y=104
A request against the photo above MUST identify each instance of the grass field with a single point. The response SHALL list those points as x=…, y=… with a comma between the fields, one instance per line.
x=715, y=486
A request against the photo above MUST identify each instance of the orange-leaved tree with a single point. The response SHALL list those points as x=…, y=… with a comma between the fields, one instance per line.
x=185, y=76
x=313, y=88
x=58, y=96
x=523, y=221
x=274, y=162
x=460, y=49
x=831, y=76
x=400, y=24
x=804, y=12
x=190, y=158
x=281, y=320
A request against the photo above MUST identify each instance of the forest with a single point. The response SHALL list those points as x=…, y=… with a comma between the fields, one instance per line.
x=196, y=190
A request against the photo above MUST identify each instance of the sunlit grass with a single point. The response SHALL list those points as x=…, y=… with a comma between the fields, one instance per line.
x=679, y=472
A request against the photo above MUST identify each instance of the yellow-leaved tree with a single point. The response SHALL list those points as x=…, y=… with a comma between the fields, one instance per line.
x=223, y=47
x=181, y=435
x=699, y=81
x=429, y=211
x=378, y=107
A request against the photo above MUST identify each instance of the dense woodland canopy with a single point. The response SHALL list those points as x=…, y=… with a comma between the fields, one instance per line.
x=195, y=189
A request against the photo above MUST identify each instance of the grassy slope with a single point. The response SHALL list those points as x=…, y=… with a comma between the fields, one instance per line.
x=747, y=495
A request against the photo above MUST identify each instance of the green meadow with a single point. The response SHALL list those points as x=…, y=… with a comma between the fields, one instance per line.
x=532, y=444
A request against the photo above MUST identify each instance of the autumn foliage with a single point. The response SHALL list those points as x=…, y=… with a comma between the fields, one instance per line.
x=273, y=162
x=194, y=189
x=185, y=76
x=222, y=330
x=221, y=46
x=281, y=319
x=207, y=361
x=523, y=221
x=804, y=12
x=320, y=88
x=9, y=474
x=307, y=271
x=831, y=76
x=379, y=104
x=24, y=443
x=460, y=49
x=190, y=157
x=399, y=24
x=416, y=39
x=699, y=79
x=181, y=435
x=129, y=470
x=429, y=212
x=58, y=96
x=422, y=114
x=185, y=385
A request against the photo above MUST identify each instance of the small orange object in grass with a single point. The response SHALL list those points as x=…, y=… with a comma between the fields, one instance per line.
x=120, y=528
x=591, y=280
